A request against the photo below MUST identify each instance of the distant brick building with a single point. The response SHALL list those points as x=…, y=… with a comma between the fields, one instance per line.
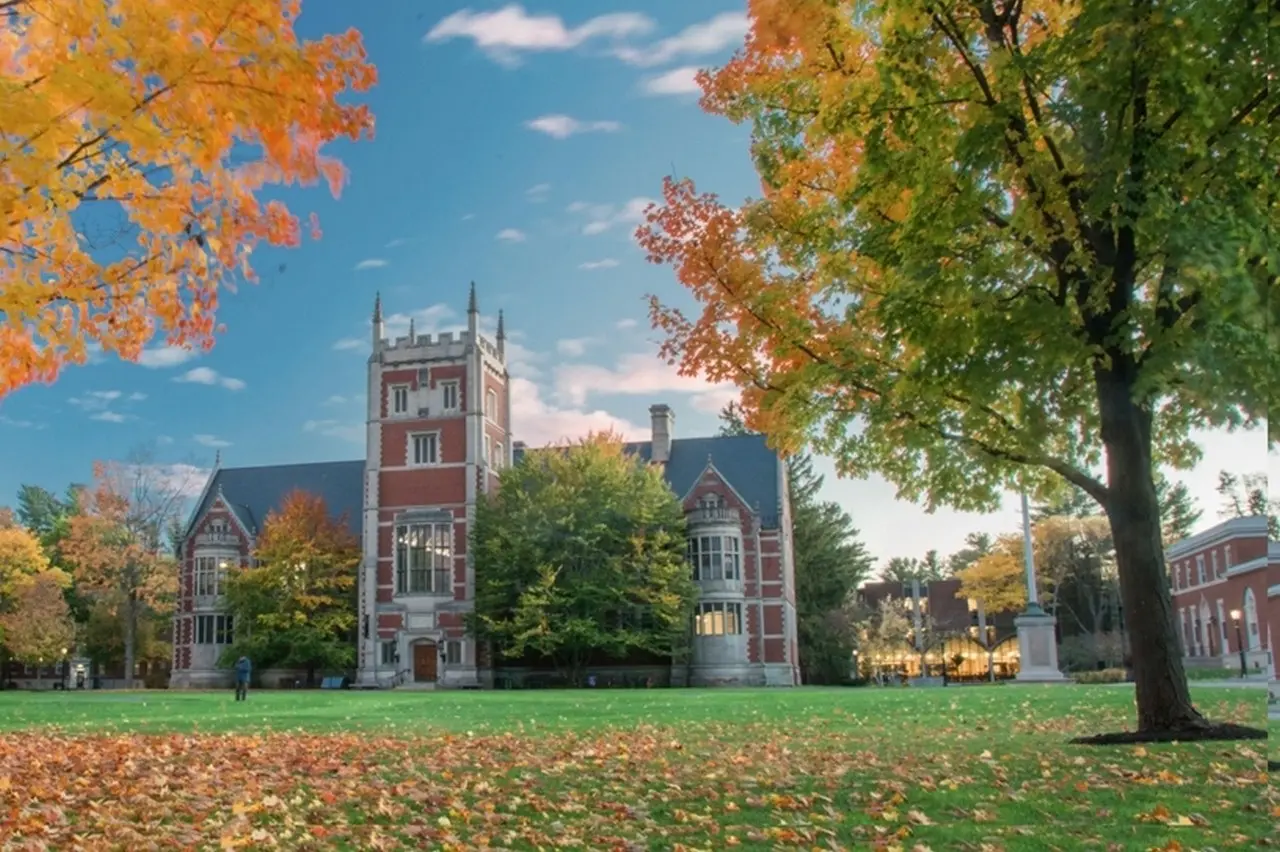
x=946, y=630
x=1229, y=567
x=439, y=433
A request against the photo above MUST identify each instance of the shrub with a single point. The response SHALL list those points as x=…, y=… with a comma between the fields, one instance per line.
x=1211, y=673
x=1103, y=676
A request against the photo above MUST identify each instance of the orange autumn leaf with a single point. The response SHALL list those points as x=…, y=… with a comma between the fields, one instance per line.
x=39, y=629
x=131, y=190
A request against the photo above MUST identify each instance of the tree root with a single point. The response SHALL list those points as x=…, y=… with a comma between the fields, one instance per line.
x=1201, y=732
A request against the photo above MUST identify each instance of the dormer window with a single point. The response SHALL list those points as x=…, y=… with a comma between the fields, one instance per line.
x=711, y=501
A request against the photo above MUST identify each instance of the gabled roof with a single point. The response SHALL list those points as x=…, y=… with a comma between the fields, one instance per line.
x=254, y=492
x=744, y=460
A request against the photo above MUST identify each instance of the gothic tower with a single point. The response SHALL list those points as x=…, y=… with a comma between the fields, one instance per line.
x=438, y=432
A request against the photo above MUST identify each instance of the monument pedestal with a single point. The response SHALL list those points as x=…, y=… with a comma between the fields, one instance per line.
x=1038, y=647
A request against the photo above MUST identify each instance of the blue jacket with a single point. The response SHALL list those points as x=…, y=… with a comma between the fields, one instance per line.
x=243, y=668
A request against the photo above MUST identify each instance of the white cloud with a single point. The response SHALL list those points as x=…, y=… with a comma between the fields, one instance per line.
x=504, y=34
x=511, y=235
x=396, y=243
x=560, y=126
x=370, y=263
x=347, y=344
x=98, y=404
x=638, y=374
x=18, y=424
x=430, y=320
x=467, y=217
x=164, y=440
x=207, y=376
x=351, y=432
x=677, y=81
x=164, y=357
x=573, y=347
x=184, y=480
x=338, y=400
x=606, y=263
x=539, y=423
x=211, y=441
x=603, y=217
x=728, y=29
x=538, y=193
x=626, y=323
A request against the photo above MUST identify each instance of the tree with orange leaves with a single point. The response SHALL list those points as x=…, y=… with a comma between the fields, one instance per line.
x=295, y=607
x=38, y=629
x=117, y=542
x=156, y=123
x=1000, y=244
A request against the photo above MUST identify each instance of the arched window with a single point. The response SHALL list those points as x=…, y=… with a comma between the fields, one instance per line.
x=1251, y=632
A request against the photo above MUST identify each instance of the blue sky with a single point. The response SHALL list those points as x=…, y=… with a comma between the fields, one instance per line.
x=515, y=147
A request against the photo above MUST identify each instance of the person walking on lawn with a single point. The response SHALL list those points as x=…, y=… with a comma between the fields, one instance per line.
x=243, y=669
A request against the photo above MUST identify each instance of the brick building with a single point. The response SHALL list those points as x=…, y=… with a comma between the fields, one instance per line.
x=1229, y=567
x=439, y=433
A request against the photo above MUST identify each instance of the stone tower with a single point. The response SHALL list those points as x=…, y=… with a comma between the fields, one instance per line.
x=439, y=422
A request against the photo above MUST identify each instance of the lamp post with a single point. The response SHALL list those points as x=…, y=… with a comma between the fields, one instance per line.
x=1244, y=666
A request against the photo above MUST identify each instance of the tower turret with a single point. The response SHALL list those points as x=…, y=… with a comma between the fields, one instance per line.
x=473, y=314
x=377, y=323
x=502, y=337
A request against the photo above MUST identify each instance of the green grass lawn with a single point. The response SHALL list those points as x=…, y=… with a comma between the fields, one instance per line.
x=979, y=768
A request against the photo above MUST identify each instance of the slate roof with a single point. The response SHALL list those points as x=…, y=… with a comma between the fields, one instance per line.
x=256, y=491
x=744, y=460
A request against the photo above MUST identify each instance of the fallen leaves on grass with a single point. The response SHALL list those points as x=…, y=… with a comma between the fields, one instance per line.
x=692, y=787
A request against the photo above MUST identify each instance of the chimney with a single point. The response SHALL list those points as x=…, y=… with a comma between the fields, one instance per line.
x=663, y=423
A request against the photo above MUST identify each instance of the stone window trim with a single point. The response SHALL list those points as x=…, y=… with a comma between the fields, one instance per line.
x=491, y=405
x=423, y=554
x=398, y=403
x=431, y=450
x=718, y=618
x=451, y=395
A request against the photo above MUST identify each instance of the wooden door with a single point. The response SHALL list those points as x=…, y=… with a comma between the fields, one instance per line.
x=424, y=662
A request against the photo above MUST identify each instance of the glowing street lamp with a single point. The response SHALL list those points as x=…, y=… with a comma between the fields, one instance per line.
x=1244, y=667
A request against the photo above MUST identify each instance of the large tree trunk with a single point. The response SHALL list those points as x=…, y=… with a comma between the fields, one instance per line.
x=130, y=638
x=1163, y=697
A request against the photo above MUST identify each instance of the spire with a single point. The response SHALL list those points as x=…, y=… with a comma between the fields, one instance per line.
x=473, y=317
x=217, y=463
x=377, y=307
x=377, y=328
x=502, y=331
x=413, y=335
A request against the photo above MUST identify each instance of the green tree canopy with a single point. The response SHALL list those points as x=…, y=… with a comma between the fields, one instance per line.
x=580, y=552
x=1000, y=245
x=296, y=607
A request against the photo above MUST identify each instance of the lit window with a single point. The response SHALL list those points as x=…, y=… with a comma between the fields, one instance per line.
x=449, y=391
x=210, y=575
x=399, y=399
x=718, y=619
x=424, y=448
x=424, y=559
